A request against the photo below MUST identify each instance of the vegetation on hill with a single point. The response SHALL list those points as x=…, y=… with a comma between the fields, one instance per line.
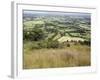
x=56, y=41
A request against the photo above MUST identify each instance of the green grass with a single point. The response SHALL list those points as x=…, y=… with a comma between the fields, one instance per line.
x=30, y=24
x=75, y=55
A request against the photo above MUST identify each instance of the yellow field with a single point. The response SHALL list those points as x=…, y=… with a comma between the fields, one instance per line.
x=76, y=55
x=65, y=38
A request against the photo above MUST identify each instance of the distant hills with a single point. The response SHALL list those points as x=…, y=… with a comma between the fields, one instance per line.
x=59, y=24
x=29, y=14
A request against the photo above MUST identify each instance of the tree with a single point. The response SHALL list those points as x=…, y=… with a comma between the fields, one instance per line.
x=35, y=34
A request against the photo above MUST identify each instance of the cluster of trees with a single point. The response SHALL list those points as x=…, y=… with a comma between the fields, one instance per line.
x=34, y=35
x=38, y=37
x=86, y=42
x=55, y=44
x=44, y=44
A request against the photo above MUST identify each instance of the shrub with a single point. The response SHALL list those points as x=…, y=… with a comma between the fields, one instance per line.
x=87, y=43
x=53, y=44
x=81, y=42
x=34, y=45
x=68, y=45
x=42, y=44
x=61, y=45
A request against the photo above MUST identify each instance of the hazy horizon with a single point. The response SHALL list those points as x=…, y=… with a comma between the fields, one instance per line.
x=30, y=12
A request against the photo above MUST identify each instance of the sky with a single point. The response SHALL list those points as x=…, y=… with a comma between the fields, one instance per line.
x=54, y=13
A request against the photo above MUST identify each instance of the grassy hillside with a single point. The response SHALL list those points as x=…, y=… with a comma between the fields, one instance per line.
x=49, y=58
x=56, y=41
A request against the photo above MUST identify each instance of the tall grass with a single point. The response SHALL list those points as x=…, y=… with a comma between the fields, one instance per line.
x=75, y=55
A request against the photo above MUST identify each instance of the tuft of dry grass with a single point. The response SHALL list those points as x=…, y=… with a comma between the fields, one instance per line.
x=49, y=58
